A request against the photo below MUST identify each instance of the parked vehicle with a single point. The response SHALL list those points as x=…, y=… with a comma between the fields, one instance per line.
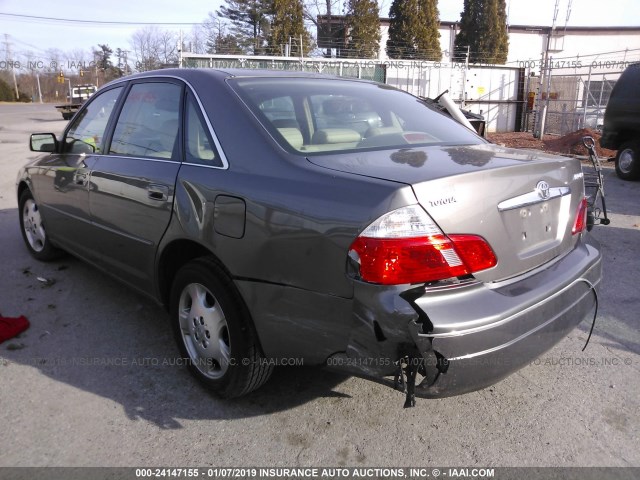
x=78, y=95
x=621, y=128
x=273, y=225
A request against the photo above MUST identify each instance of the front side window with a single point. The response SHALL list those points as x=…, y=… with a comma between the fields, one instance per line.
x=86, y=134
x=316, y=116
x=149, y=122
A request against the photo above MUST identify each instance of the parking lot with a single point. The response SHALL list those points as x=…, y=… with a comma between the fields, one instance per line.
x=94, y=380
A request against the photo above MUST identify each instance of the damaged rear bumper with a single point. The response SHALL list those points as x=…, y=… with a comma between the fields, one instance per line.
x=469, y=337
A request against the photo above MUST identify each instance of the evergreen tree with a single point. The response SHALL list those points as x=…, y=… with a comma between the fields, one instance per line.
x=250, y=20
x=413, y=30
x=219, y=40
x=7, y=94
x=102, y=59
x=483, y=29
x=498, y=39
x=227, y=45
x=102, y=56
x=287, y=26
x=363, y=27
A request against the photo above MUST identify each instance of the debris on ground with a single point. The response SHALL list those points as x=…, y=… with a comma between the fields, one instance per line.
x=12, y=326
x=570, y=144
x=516, y=140
x=47, y=282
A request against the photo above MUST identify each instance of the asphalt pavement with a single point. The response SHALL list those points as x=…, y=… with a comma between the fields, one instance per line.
x=94, y=381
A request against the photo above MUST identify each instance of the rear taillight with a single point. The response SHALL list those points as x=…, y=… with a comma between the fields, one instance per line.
x=580, y=223
x=406, y=246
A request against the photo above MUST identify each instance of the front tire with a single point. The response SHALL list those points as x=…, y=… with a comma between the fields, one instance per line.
x=214, y=332
x=33, y=230
x=628, y=161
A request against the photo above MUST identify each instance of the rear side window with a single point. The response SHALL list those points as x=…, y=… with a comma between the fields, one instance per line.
x=200, y=147
x=86, y=134
x=149, y=122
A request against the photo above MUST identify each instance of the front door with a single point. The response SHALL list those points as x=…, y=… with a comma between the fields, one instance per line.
x=63, y=184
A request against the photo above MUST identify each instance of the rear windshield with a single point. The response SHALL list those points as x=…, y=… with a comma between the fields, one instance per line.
x=316, y=116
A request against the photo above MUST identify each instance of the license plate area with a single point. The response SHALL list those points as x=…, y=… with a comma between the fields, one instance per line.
x=534, y=228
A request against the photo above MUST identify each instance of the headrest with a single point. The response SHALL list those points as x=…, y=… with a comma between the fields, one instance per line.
x=336, y=135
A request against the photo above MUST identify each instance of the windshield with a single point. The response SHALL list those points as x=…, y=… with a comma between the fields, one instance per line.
x=310, y=115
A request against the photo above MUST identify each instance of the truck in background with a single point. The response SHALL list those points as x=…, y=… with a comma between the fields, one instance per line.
x=78, y=95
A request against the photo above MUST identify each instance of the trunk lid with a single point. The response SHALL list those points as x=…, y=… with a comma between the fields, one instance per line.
x=523, y=202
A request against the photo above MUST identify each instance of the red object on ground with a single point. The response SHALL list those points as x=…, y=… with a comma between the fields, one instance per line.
x=10, y=327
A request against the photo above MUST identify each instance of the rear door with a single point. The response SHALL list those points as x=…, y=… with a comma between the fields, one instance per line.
x=133, y=186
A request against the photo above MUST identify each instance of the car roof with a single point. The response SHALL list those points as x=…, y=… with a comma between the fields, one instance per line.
x=198, y=75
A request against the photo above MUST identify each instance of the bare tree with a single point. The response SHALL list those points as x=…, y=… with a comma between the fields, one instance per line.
x=55, y=58
x=153, y=47
x=168, y=43
x=196, y=40
x=77, y=59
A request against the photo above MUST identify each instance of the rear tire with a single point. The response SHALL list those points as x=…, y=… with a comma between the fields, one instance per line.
x=33, y=230
x=214, y=331
x=628, y=161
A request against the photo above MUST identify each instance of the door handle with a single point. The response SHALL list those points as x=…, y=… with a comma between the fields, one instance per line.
x=158, y=192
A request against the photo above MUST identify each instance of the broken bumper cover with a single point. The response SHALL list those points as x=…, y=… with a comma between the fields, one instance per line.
x=468, y=338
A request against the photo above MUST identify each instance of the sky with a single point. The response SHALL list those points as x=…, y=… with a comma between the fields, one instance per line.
x=34, y=36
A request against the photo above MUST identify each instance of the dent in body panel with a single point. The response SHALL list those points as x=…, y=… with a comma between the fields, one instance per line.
x=287, y=228
x=381, y=334
x=464, y=338
x=290, y=262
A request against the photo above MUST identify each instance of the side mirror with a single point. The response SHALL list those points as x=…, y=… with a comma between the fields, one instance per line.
x=43, y=142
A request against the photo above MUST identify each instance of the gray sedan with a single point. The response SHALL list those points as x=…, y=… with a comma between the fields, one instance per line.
x=291, y=218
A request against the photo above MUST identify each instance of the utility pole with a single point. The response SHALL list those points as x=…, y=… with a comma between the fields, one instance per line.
x=464, y=78
x=9, y=61
x=39, y=89
x=545, y=79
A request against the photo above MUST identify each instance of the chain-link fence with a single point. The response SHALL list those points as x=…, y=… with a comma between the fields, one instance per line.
x=574, y=101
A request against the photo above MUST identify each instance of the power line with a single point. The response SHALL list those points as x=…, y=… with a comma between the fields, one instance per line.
x=94, y=22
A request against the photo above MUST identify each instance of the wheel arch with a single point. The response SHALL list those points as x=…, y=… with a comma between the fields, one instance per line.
x=22, y=186
x=174, y=255
x=178, y=253
x=626, y=136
